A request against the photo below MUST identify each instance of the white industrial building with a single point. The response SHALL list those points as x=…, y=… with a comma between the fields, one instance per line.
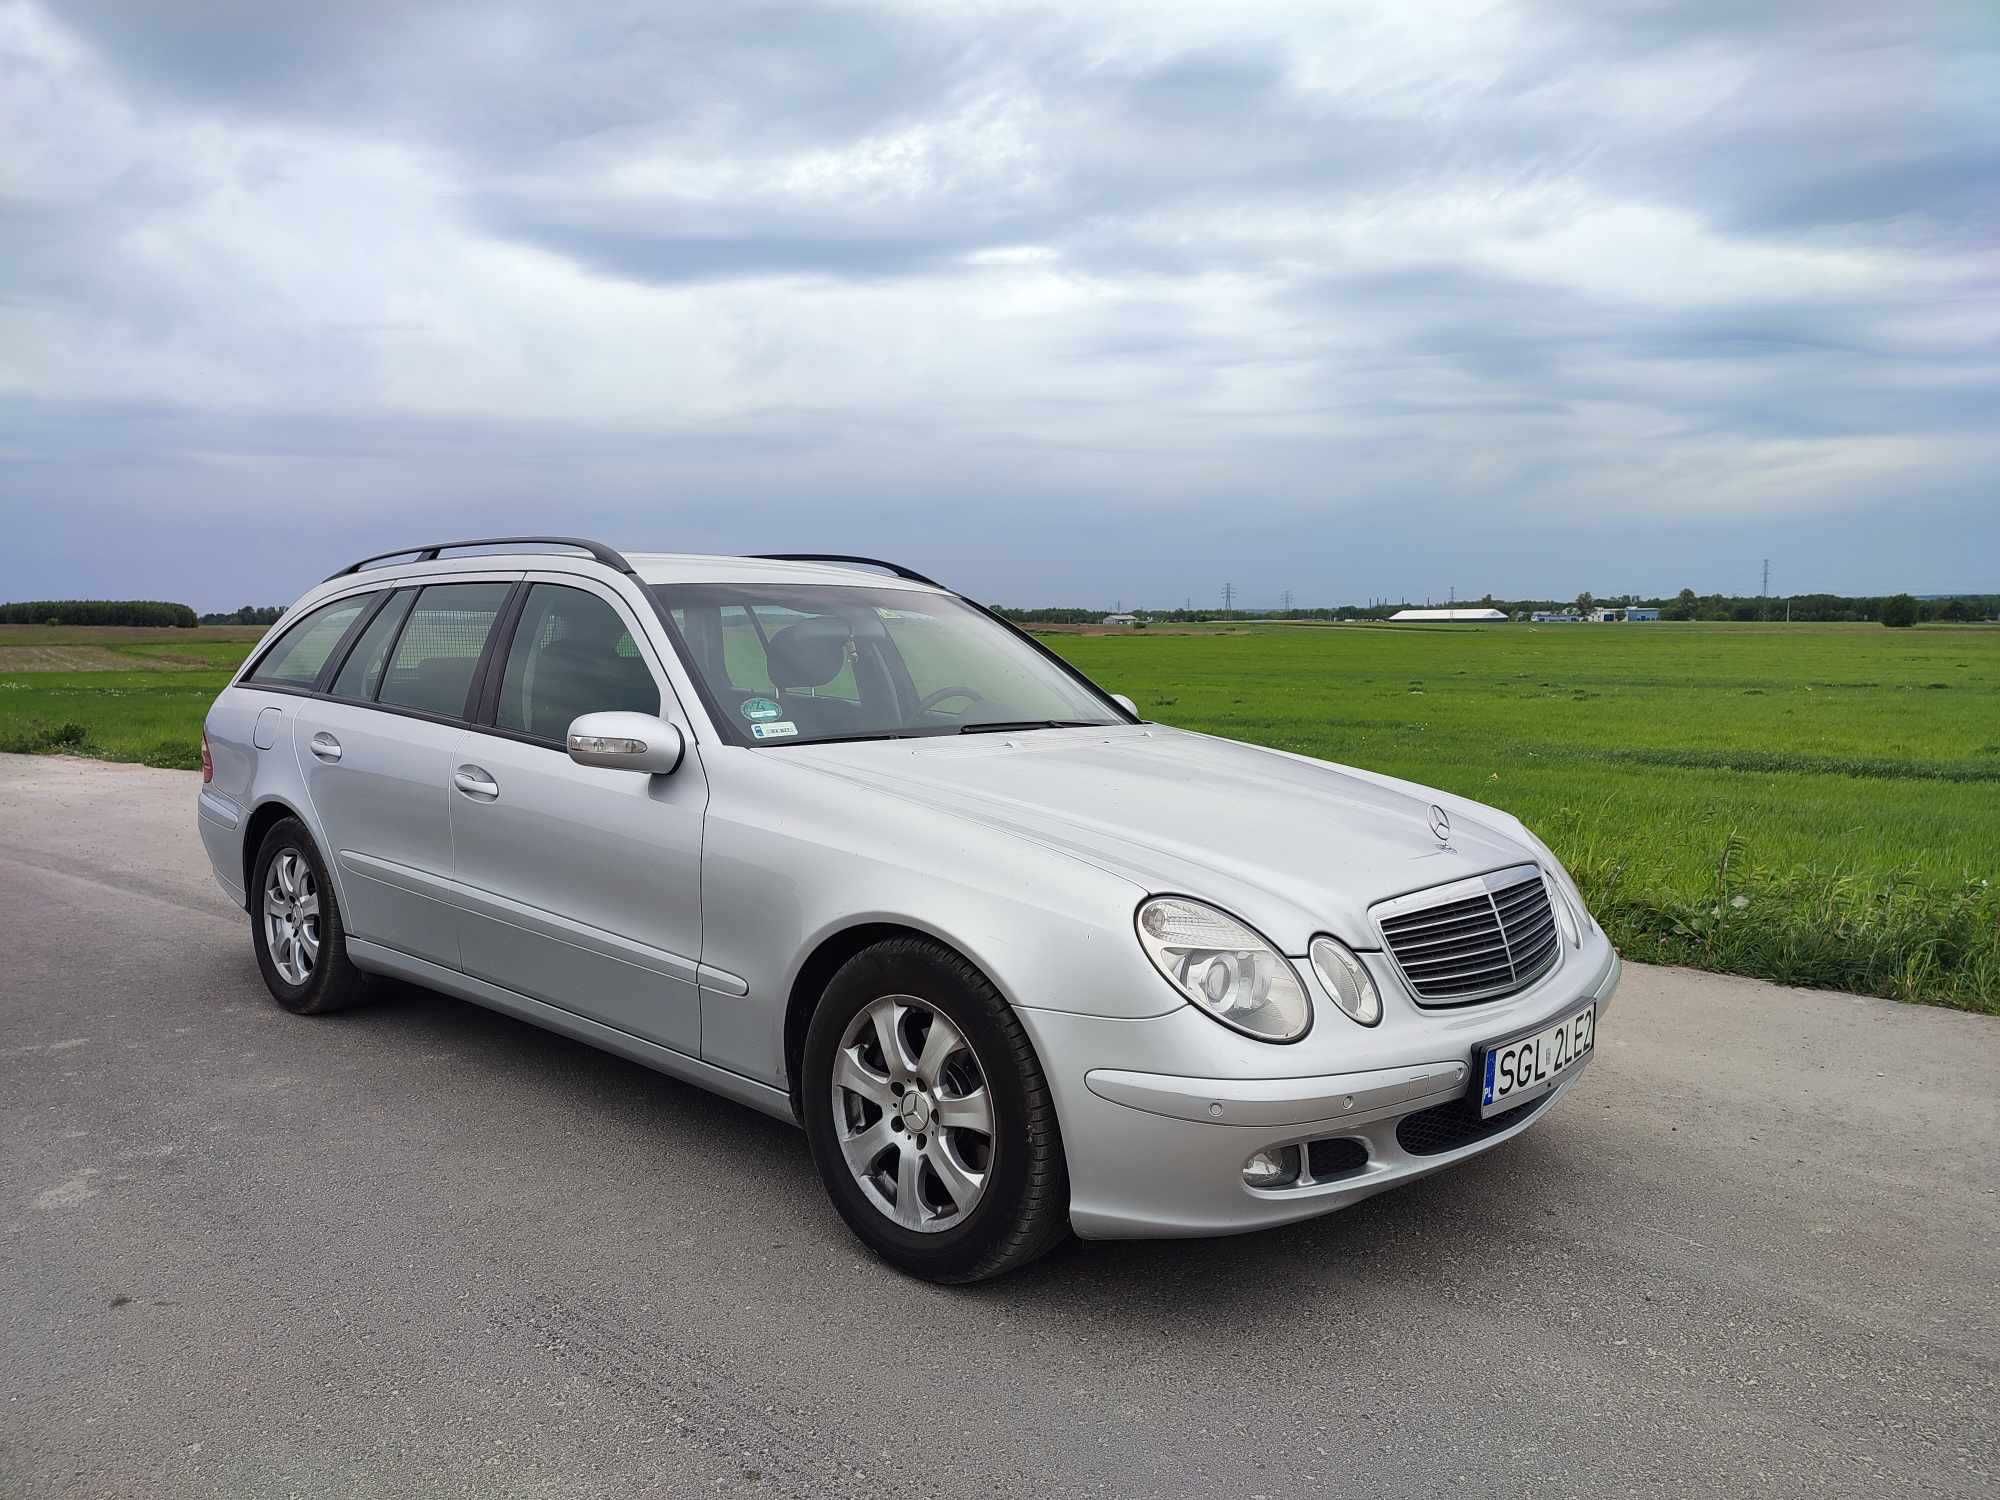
x=1478, y=616
x=1619, y=614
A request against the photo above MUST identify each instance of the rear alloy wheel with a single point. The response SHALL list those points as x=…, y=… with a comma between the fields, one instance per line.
x=292, y=917
x=929, y=1117
x=295, y=926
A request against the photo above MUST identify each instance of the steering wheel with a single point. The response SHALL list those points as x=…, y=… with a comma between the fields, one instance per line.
x=972, y=695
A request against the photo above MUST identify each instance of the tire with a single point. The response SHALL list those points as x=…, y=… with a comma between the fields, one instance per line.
x=864, y=1115
x=306, y=977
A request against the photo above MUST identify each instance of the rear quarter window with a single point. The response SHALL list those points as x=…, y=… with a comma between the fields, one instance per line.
x=300, y=654
x=361, y=674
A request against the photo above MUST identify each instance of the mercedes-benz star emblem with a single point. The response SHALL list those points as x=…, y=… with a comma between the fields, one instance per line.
x=1440, y=824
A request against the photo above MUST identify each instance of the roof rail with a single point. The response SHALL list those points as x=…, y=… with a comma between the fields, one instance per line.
x=841, y=557
x=429, y=552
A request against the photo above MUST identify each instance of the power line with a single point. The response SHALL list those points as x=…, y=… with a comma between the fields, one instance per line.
x=1228, y=597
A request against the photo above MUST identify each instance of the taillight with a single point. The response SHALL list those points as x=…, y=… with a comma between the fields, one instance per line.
x=207, y=761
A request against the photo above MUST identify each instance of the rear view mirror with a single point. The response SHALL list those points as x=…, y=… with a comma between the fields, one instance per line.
x=1126, y=703
x=626, y=742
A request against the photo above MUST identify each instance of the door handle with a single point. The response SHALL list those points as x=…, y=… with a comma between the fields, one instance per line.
x=325, y=746
x=476, y=784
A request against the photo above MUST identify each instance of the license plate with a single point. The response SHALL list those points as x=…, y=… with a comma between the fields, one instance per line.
x=1513, y=1072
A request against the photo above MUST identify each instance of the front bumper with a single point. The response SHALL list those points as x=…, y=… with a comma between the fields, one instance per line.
x=1154, y=1152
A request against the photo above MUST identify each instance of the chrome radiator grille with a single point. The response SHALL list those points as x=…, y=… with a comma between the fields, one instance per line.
x=1475, y=939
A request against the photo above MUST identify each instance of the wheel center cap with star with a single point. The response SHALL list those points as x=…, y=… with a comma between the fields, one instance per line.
x=915, y=1111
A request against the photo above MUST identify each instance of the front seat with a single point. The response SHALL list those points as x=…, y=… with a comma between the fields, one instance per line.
x=806, y=655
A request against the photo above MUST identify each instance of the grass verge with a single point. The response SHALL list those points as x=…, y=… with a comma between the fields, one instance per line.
x=1812, y=805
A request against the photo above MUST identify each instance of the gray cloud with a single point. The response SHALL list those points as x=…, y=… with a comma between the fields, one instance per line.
x=1091, y=302
x=515, y=77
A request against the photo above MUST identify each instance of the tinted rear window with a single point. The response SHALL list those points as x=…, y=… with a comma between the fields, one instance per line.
x=431, y=669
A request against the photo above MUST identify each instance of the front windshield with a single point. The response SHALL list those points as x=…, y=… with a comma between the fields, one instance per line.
x=791, y=664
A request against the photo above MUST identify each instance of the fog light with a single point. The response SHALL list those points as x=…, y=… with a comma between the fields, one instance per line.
x=1276, y=1167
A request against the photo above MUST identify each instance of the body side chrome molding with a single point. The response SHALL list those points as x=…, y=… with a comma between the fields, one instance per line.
x=219, y=809
x=546, y=924
x=721, y=981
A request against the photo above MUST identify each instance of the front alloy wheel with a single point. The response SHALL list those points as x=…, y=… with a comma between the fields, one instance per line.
x=929, y=1118
x=912, y=1112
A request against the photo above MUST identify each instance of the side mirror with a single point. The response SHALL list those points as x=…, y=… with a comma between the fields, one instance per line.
x=626, y=742
x=1126, y=703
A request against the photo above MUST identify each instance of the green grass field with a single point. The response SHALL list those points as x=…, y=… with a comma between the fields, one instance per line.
x=1814, y=804
x=114, y=692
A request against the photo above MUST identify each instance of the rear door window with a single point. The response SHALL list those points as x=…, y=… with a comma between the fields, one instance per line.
x=431, y=668
x=301, y=652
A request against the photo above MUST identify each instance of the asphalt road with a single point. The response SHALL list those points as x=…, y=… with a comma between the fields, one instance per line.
x=423, y=1249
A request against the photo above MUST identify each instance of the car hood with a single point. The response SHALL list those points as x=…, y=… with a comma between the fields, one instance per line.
x=1291, y=845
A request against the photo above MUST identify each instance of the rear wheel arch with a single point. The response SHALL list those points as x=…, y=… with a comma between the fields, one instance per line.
x=255, y=827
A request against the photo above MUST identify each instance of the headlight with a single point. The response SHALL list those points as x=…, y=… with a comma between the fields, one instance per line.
x=1225, y=968
x=1346, y=979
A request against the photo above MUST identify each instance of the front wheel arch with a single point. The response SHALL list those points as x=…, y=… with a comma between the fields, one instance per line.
x=817, y=972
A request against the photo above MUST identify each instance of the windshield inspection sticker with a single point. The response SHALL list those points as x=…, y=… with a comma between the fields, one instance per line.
x=760, y=708
x=781, y=730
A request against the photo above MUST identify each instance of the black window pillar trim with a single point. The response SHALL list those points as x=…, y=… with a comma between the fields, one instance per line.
x=336, y=659
x=482, y=697
x=683, y=654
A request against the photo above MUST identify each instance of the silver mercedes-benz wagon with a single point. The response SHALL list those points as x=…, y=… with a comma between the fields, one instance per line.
x=821, y=835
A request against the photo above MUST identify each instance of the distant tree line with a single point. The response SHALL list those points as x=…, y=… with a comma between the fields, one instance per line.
x=1054, y=615
x=1892, y=609
x=97, y=612
x=249, y=614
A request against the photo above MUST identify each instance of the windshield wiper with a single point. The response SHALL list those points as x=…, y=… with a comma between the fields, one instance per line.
x=1007, y=726
x=839, y=739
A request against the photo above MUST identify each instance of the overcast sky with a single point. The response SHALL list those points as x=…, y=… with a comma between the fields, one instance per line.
x=1083, y=303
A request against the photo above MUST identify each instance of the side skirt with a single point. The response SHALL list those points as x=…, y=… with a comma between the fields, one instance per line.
x=377, y=959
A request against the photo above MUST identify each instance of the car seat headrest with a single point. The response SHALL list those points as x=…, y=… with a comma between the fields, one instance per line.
x=810, y=653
